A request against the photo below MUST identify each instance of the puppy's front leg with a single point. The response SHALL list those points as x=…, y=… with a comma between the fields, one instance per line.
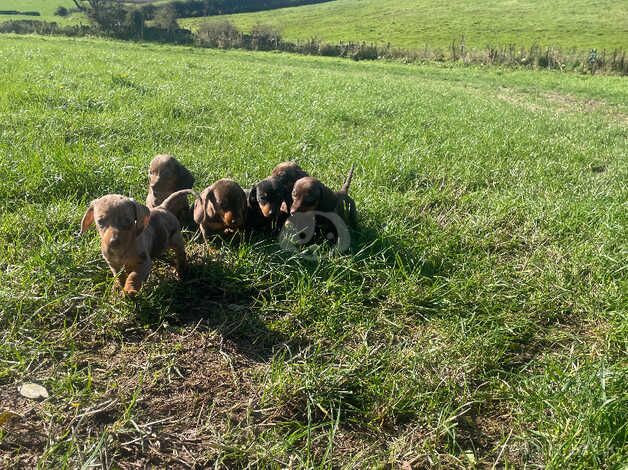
x=176, y=243
x=119, y=277
x=137, y=276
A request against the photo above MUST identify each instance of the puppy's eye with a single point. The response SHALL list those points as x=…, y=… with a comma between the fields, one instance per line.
x=100, y=223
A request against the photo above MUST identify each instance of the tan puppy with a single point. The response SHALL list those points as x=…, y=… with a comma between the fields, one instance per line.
x=131, y=235
x=309, y=194
x=166, y=175
x=221, y=207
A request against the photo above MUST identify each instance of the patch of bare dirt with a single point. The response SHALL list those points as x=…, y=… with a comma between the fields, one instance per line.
x=151, y=404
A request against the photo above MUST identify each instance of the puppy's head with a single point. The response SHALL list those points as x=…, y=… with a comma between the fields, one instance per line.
x=288, y=173
x=221, y=206
x=119, y=221
x=306, y=195
x=270, y=194
x=166, y=175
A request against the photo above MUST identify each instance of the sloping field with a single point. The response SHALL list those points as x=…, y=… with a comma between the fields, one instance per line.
x=580, y=24
x=479, y=319
x=46, y=8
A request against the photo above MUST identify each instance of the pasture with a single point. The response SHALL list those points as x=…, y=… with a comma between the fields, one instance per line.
x=415, y=24
x=479, y=319
x=46, y=8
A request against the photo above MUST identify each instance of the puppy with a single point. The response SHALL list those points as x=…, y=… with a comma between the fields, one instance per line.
x=166, y=175
x=220, y=207
x=273, y=194
x=131, y=235
x=309, y=194
x=255, y=220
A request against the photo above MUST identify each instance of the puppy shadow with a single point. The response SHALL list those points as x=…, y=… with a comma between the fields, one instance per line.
x=211, y=297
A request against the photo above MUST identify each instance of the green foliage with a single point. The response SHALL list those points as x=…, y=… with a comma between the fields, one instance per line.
x=480, y=318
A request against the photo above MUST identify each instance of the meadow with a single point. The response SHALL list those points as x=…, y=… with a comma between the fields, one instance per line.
x=415, y=24
x=46, y=8
x=480, y=318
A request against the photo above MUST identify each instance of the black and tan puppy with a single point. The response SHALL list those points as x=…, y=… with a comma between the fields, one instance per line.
x=255, y=220
x=167, y=175
x=132, y=235
x=274, y=194
x=221, y=207
x=309, y=194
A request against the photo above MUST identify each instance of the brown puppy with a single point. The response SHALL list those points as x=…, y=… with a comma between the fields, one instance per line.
x=221, y=207
x=309, y=194
x=288, y=173
x=131, y=235
x=273, y=194
x=166, y=175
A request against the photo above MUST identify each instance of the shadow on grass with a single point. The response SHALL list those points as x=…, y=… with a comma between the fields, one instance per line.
x=213, y=298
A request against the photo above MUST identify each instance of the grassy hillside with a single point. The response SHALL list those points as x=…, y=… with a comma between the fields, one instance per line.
x=417, y=23
x=479, y=318
x=45, y=7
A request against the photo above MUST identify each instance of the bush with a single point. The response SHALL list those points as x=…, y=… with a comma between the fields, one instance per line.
x=329, y=50
x=264, y=38
x=221, y=34
x=364, y=52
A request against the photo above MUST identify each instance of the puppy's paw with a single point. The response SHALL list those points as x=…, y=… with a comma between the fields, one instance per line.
x=130, y=292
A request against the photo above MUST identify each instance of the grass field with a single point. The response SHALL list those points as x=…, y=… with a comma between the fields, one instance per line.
x=415, y=24
x=480, y=318
x=46, y=8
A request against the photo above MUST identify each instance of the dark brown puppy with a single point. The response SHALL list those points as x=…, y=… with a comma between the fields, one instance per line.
x=131, y=235
x=255, y=219
x=166, y=175
x=221, y=207
x=274, y=194
x=309, y=194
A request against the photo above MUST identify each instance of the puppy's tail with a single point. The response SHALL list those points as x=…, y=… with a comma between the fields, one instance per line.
x=176, y=195
x=345, y=187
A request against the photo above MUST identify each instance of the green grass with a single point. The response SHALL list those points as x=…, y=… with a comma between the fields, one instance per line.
x=415, y=24
x=481, y=316
x=46, y=8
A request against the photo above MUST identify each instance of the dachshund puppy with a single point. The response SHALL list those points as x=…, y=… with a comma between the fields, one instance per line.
x=309, y=194
x=221, y=207
x=166, y=175
x=131, y=235
x=273, y=194
x=255, y=220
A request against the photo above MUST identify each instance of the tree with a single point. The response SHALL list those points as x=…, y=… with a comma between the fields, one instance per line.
x=109, y=15
x=166, y=18
x=134, y=23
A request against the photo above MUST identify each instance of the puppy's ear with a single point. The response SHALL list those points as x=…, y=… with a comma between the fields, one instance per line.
x=210, y=205
x=142, y=213
x=88, y=218
x=199, y=210
x=185, y=179
x=253, y=196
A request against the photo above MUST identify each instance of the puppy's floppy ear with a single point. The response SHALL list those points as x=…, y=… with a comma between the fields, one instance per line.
x=185, y=179
x=88, y=218
x=142, y=213
x=210, y=204
x=253, y=196
x=199, y=209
